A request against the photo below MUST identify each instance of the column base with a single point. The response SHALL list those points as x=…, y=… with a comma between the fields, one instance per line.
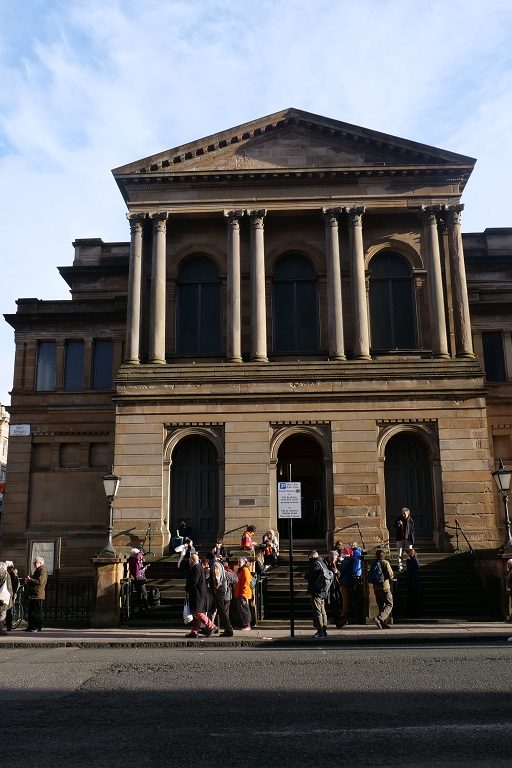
x=235, y=360
x=337, y=358
x=466, y=356
x=362, y=357
x=133, y=361
x=442, y=356
x=259, y=359
x=158, y=361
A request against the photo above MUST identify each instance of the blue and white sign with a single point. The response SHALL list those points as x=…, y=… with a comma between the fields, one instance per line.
x=289, y=506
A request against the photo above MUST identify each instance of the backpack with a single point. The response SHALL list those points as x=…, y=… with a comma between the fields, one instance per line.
x=376, y=573
x=323, y=580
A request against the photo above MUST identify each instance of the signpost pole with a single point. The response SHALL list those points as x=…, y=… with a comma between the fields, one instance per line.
x=290, y=557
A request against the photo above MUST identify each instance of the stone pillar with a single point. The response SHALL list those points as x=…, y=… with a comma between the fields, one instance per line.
x=334, y=306
x=234, y=324
x=361, y=331
x=107, y=606
x=158, y=280
x=435, y=282
x=134, y=289
x=463, y=340
x=258, y=305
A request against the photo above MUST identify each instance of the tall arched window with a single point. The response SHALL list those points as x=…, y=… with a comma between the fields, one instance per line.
x=294, y=305
x=198, y=326
x=392, y=305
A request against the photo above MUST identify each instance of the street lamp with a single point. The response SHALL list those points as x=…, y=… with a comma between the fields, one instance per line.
x=502, y=478
x=111, y=485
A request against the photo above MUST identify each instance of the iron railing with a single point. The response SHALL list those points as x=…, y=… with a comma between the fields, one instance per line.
x=69, y=601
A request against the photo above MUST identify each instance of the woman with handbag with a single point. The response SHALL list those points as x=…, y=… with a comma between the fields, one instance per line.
x=243, y=592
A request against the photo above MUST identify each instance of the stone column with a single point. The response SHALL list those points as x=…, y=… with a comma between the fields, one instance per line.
x=134, y=289
x=435, y=281
x=334, y=307
x=361, y=332
x=234, y=338
x=462, y=319
x=158, y=279
x=258, y=305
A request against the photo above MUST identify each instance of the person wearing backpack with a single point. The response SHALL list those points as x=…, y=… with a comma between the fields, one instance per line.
x=220, y=585
x=319, y=583
x=380, y=576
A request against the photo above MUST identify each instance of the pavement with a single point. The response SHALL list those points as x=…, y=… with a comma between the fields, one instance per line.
x=439, y=633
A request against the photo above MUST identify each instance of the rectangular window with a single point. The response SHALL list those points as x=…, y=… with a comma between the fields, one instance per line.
x=494, y=357
x=46, y=366
x=74, y=365
x=102, y=358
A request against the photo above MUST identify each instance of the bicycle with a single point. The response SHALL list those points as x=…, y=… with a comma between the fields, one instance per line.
x=18, y=610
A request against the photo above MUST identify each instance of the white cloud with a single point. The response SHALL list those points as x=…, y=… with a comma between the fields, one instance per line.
x=87, y=85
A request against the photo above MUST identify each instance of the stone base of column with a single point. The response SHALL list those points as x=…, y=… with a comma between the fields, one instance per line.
x=158, y=361
x=235, y=360
x=441, y=356
x=108, y=575
x=133, y=361
x=362, y=357
x=337, y=358
x=466, y=356
x=259, y=359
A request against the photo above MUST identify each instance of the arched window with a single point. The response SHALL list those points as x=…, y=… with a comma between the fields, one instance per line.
x=392, y=305
x=198, y=326
x=294, y=305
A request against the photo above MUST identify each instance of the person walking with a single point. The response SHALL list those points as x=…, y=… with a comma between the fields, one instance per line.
x=36, y=585
x=137, y=571
x=243, y=593
x=198, y=598
x=319, y=583
x=380, y=576
x=221, y=582
x=5, y=596
x=404, y=527
x=15, y=583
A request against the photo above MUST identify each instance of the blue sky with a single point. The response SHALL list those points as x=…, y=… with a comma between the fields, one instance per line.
x=86, y=86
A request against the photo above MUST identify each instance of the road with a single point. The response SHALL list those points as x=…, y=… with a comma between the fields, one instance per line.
x=256, y=707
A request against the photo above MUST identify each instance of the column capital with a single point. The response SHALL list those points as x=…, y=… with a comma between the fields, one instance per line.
x=331, y=216
x=430, y=213
x=355, y=214
x=159, y=219
x=454, y=213
x=136, y=220
x=257, y=215
x=233, y=218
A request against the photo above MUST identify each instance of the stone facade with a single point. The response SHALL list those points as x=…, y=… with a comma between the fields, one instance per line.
x=293, y=300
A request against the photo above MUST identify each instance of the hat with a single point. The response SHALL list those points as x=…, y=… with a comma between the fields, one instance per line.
x=347, y=551
x=243, y=560
x=135, y=551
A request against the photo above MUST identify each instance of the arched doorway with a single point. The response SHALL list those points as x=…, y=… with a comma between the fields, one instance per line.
x=408, y=480
x=195, y=487
x=304, y=456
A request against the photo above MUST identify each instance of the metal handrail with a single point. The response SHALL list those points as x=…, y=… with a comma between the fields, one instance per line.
x=352, y=525
x=457, y=527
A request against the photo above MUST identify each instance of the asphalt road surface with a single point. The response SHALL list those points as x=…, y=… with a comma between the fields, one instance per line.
x=256, y=707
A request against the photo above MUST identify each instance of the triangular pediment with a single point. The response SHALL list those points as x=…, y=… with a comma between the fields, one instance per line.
x=292, y=139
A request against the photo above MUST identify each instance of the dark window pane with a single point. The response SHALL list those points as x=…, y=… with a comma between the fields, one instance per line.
x=102, y=353
x=494, y=359
x=46, y=366
x=74, y=365
x=199, y=308
x=392, y=307
x=294, y=305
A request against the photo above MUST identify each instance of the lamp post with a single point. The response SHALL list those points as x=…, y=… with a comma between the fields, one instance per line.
x=111, y=485
x=502, y=478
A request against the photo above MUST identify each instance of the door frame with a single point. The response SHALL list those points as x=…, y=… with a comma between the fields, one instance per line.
x=175, y=434
x=426, y=432
x=321, y=434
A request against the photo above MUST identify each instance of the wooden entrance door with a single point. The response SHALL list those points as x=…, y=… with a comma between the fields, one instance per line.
x=195, y=487
x=408, y=478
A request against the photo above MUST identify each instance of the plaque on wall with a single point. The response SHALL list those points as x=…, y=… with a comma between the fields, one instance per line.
x=19, y=430
x=46, y=550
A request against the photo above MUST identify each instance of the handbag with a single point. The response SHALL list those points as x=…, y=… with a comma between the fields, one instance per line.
x=187, y=616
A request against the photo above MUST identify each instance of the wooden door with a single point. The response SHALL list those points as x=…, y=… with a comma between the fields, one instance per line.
x=195, y=488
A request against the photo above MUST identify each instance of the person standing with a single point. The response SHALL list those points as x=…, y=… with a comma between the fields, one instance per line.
x=380, y=576
x=346, y=579
x=319, y=583
x=137, y=571
x=247, y=542
x=220, y=585
x=508, y=587
x=36, y=585
x=15, y=582
x=5, y=596
x=404, y=527
x=242, y=592
x=198, y=598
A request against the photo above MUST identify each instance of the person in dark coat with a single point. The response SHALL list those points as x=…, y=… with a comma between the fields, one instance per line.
x=36, y=585
x=15, y=583
x=198, y=598
x=404, y=527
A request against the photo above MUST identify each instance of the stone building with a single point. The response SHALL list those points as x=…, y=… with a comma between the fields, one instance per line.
x=296, y=301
